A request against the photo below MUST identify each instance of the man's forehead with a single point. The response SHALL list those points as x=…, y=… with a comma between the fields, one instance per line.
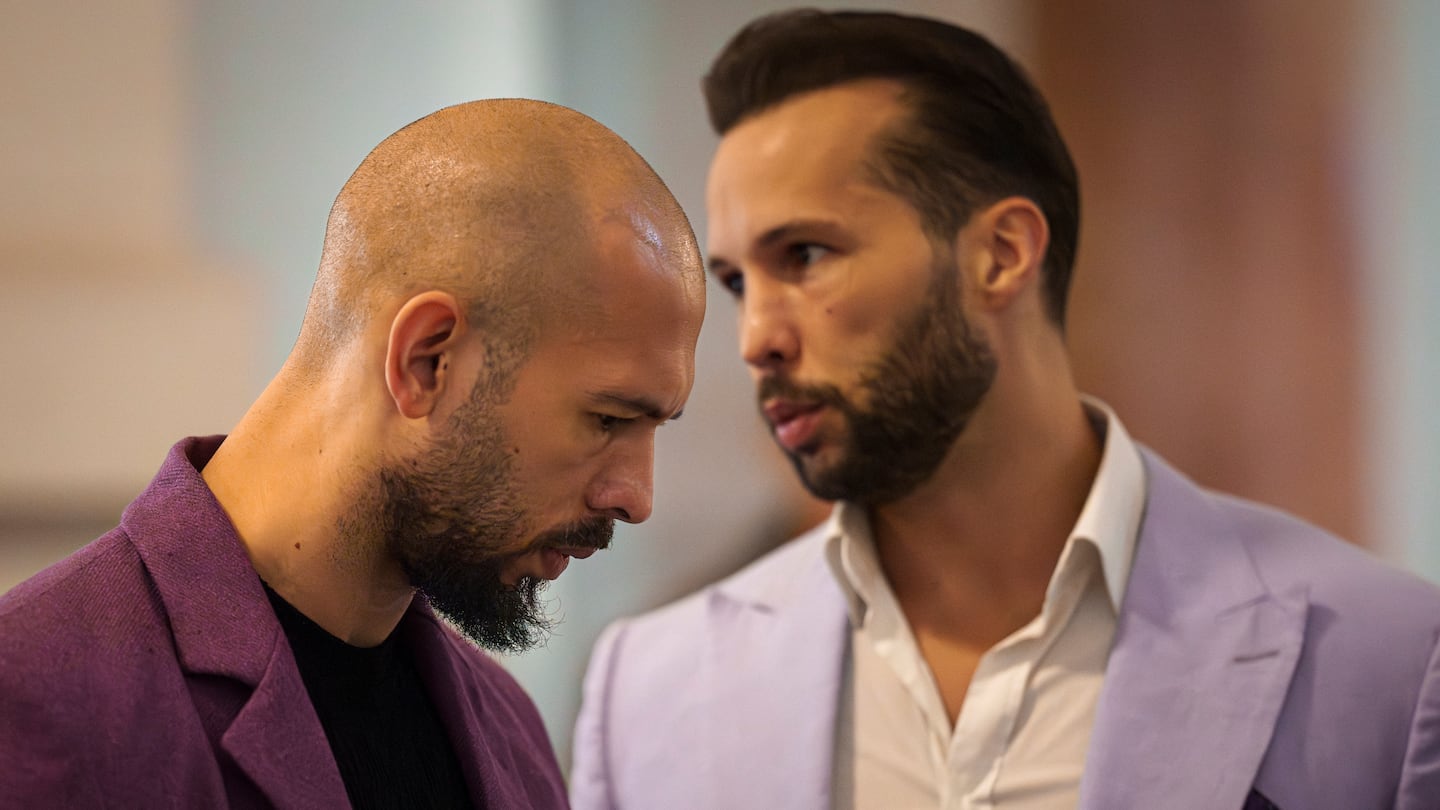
x=821, y=137
x=818, y=174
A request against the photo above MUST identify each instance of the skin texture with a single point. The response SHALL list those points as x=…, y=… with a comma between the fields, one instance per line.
x=503, y=284
x=828, y=270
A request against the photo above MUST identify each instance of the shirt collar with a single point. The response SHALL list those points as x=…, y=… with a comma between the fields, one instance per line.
x=1109, y=522
x=1112, y=512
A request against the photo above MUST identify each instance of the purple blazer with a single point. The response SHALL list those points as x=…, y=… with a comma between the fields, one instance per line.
x=1257, y=663
x=148, y=670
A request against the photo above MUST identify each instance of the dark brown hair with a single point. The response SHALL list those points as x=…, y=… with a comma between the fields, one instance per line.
x=978, y=129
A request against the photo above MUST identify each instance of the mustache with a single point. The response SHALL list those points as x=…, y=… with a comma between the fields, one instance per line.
x=778, y=387
x=594, y=532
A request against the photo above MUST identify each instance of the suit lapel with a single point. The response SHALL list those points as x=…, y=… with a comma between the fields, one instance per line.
x=795, y=616
x=277, y=741
x=460, y=705
x=1201, y=663
x=223, y=627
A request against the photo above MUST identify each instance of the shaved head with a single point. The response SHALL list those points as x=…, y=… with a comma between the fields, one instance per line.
x=495, y=202
x=506, y=311
x=495, y=278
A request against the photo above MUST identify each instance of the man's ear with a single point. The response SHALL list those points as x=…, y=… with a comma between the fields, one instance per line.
x=424, y=337
x=1014, y=235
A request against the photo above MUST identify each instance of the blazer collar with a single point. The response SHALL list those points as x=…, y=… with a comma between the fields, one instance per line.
x=793, y=612
x=490, y=736
x=222, y=622
x=1203, y=656
x=223, y=626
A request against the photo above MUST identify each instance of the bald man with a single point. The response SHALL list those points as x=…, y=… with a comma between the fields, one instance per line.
x=506, y=309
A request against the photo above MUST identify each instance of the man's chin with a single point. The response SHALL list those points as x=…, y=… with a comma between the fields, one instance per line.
x=496, y=608
x=820, y=472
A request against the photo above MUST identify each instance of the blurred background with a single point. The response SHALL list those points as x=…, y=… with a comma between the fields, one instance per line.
x=1254, y=294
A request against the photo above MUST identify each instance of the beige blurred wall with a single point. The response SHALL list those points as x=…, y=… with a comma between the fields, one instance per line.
x=120, y=332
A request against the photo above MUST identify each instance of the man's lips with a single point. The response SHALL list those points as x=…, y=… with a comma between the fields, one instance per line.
x=794, y=423
x=578, y=552
x=556, y=560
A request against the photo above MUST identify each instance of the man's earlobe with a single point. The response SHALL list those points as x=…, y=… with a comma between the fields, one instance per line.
x=423, y=338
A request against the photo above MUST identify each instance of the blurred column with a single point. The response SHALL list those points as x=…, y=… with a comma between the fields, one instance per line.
x=1398, y=174
x=1217, y=303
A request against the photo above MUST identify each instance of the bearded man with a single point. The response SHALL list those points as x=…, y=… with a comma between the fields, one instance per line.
x=1014, y=605
x=506, y=309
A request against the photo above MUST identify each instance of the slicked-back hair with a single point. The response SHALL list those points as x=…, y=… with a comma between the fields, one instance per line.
x=978, y=130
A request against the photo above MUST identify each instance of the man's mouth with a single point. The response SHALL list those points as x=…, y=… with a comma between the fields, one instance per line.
x=578, y=552
x=556, y=560
x=553, y=549
x=794, y=423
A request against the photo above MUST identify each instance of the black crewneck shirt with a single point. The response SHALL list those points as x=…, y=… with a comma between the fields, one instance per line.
x=384, y=733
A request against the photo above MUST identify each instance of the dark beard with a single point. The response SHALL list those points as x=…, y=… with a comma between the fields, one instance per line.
x=443, y=518
x=921, y=394
x=449, y=557
x=451, y=518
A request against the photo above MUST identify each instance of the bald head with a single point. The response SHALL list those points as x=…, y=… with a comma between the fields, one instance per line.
x=496, y=202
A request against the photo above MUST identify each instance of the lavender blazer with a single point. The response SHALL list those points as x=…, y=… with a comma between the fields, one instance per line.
x=1252, y=653
x=148, y=670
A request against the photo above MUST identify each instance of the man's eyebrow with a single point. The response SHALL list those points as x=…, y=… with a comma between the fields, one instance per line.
x=785, y=231
x=789, y=230
x=718, y=264
x=648, y=407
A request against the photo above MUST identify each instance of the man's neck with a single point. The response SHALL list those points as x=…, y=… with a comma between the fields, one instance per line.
x=287, y=483
x=971, y=552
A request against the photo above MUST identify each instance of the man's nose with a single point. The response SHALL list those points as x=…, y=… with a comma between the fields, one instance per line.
x=625, y=489
x=768, y=339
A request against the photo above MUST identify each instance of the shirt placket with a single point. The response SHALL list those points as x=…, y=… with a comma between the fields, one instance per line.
x=987, y=718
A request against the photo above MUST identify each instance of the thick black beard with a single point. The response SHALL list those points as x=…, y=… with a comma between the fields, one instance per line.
x=451, y=518
x=472, y=596
x=446, y=516
x=450, y=557
x=920, y=394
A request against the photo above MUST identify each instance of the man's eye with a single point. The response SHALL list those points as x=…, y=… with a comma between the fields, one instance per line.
x=734, y=283
x=608, y=422
x=805, y=254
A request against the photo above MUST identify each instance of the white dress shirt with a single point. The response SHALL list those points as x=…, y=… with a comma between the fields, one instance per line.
x=1019, y=742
